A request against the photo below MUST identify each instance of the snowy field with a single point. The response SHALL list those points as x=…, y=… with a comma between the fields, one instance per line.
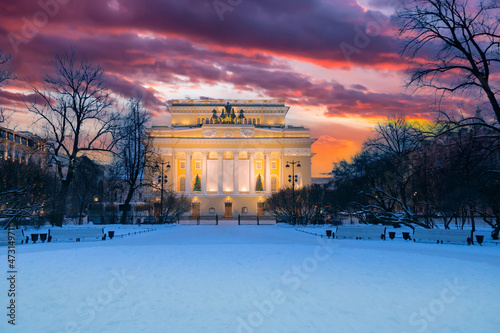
x=247, y=279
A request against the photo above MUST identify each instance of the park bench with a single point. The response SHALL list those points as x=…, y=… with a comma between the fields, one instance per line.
x=442, y=236
x=19, y=236
x=361, y=232
x=57, y=234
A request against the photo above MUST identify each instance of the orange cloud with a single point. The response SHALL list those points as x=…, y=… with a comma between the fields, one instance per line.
x=328, y=150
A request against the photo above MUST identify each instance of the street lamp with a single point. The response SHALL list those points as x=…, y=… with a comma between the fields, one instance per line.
x=55, y=201
x=162, y=179
x=293, y=178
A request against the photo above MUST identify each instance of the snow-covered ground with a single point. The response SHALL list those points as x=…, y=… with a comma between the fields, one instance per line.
x=252, y=279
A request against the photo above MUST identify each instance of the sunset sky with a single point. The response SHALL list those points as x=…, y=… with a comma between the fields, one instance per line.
x=335, y=62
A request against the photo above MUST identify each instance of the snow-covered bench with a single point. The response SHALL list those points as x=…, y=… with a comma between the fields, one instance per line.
x=441, y=235
x=361, y=232
x=58, y=234
x=19, y=237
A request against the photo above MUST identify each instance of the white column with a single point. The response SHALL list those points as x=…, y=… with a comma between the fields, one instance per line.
x=174, y=172
x=236, y=174
x=219, y=168
x=268, y=173
x=188, y=173
x=282, y=171
x=252, y=172
x=204, y=173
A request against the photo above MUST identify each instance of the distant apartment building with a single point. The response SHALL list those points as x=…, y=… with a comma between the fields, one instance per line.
x=22, y=146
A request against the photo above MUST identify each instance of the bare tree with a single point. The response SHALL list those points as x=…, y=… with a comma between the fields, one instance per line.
x=393, y=143
x=174, y=206
x=85, y=185
x=25, y=190
x=309, y=202
x=280, y=205
x=378, y=181
x=5, y=75
x=75, y=109
x=463, y=39
x=135, y=151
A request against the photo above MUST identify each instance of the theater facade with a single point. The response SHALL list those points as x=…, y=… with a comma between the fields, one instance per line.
x=227, y=156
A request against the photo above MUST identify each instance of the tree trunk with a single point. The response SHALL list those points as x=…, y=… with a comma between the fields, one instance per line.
x=491, y=96
x=61, y=204
x=496, y=231
x=473, y=222
x=130, y=193
x=80, y=219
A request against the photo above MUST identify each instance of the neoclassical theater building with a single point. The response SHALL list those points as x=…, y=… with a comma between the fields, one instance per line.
x=228, y=155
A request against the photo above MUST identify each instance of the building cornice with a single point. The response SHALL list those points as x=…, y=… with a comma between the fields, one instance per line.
x=233, y=141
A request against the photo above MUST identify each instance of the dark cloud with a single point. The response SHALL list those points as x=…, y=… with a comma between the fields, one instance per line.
x=308, y=29
x=142, y=45
x=359, y=87
x=385, y=3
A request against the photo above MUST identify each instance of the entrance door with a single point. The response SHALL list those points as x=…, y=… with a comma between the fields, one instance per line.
x=228, y=212
x=260, y=209
x=195, y=209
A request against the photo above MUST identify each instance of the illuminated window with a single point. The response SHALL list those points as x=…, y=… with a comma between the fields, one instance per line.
x=258, y=164
x=182, y=184
x=183, y=165
x=244, y=210
x=274, y=184
x=197, y=165
x=211, y=210
x=273, y=165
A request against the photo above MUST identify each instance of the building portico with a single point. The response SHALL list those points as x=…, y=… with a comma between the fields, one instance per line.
x=230, y=167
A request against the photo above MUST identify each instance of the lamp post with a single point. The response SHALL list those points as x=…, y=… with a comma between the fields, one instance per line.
x=293, y=179
x=50, y=165
x=162, y=179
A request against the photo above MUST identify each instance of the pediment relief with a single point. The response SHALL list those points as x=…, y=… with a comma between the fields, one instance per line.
x=210, y=132
x=247, y=132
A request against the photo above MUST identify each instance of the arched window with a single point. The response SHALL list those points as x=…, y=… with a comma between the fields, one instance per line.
x=253, y=121
x=211, y=210
x=245, y=121
x=274, y=184
x=182, y=184
x=258, y=121
x=211, y=120
x=207, y=121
